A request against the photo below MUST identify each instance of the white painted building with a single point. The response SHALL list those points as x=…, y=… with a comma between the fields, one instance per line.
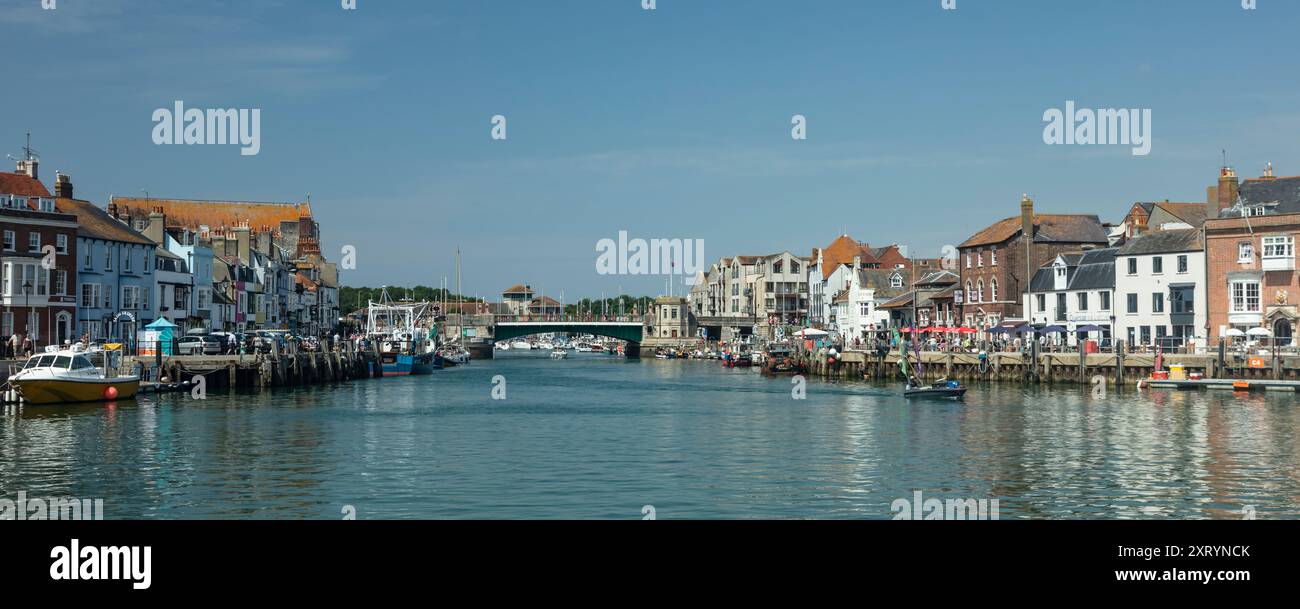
x=1160, y=289
x=1075, y=291
x=857, y=307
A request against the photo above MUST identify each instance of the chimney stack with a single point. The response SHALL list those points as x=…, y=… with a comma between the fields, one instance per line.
x=857, y=263
x=1027, y=233
x=1027, y=216
x=1227, y=190
x=156, y=228
x=62, y=185
x=30, y=167
x=1268, y=172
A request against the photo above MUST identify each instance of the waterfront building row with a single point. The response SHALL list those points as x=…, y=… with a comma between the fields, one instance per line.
x=70, y=268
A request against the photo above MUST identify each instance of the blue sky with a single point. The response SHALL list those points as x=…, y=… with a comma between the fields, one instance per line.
x=923, y=124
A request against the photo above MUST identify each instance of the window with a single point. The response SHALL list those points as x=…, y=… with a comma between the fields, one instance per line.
x=126, y=259
x=1132, y=266
x=895, y=281
x=1181, y=299
x=33, y=243
x=970, y=292
x=979, y=258
x=968, y=265
x=1132, y=303
x=993, y=290
x=794, y=266
x=88, y=260
x=10, y=241
x=1132, y=337
x=1158, y=265
x=1279, y=247
x=1146, y=335
x=979, y=291
x=61, y=243
x=60, y=282
x=130, y=297
x=776, y=266
x=1245, y=296
x=89, y=295
x=1083, y=301
x=1105, y=300
x=993, y=257
x=1245, y=252
x=1157, y=303
x=1060, y=306
x=1042, y=303
x=108, y=256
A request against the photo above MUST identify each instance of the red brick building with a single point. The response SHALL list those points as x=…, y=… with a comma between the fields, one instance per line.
x=1251, y=277
x=997, y=263
x=36, y=291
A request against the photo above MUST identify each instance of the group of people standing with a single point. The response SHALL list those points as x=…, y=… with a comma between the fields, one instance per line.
x=17, y=345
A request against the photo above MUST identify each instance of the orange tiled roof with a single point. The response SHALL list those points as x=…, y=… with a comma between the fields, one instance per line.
x=22, y=185
x=192, y=213
x=518, y=289
x=842, y=251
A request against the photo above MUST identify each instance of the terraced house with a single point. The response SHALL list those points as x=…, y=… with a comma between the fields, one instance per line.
x=1250, y=236
x=266, y=245
x=997, y=263
x=115, y=274
x=37, y=297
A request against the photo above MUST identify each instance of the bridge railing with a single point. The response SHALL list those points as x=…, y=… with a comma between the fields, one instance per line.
x=570, y=318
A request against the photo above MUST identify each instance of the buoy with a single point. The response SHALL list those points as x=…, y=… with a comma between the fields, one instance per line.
x=110, y=392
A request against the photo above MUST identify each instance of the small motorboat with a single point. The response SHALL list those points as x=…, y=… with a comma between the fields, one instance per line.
x=66, y=376
x=559, y=353
x=942, y=389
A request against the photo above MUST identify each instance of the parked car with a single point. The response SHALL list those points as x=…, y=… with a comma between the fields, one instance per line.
x=199, y=345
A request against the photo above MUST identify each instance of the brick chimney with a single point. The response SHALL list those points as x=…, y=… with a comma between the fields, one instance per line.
x=62, y=185
x=1027, y=216
x=1027, y=233
x=1226, y=192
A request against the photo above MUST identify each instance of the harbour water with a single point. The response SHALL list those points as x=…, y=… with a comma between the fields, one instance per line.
x=597, y=436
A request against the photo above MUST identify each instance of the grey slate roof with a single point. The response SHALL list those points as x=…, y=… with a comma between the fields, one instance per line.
x=1285, y=192
x=1162, y=242
x=1096, y=270
x=1090, y=270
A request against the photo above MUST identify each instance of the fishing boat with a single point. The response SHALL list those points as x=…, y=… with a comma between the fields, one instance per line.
x=404, y=349
x=61, y=376
x=781, y=361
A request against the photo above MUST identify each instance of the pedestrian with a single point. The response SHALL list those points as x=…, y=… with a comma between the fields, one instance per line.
x=27, y=346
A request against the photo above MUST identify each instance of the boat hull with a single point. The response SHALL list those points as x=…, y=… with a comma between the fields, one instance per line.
x=410, y=365
x=70, y=391
x=935, y=392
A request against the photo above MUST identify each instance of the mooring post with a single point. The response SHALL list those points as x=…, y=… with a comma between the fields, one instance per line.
x=1119, y=363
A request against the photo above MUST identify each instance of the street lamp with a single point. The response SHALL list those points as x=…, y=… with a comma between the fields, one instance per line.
x=27, y=304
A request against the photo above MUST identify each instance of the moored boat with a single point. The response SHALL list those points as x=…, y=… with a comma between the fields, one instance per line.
x=68, y=376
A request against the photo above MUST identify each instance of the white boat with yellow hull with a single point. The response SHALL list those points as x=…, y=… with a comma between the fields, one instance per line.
x=68, y=376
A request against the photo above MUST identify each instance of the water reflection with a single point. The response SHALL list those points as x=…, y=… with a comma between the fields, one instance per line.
x=599, y=437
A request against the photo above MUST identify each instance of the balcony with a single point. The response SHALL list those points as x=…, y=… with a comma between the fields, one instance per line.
x=1279, y=263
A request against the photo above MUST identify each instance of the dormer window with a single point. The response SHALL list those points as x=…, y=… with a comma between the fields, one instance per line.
x=47, y=205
